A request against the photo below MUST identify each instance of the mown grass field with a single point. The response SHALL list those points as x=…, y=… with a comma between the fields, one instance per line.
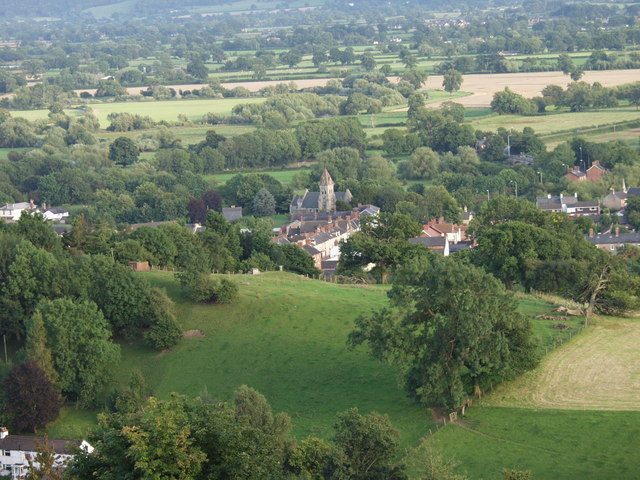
x=167, y=110
x=576, y=416
x=599, y=370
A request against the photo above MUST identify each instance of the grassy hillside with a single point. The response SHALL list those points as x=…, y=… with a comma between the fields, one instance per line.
x=285, y=336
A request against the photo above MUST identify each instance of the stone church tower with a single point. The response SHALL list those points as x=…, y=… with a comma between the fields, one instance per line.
x=327, y=197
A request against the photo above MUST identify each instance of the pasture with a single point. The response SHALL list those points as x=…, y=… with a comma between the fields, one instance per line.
x=569, y=122
x=283, y=176
x=285, y=336
x=4, y=152
x=598, y=370
x=552, y=444
x=167, y=110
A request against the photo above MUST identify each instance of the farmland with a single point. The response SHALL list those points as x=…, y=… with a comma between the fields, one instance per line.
x=283, y=176
x=547, y=124
x=595, y=371
x=552, y=444
x=579, y=411
x=286, y=336
x=167, y=110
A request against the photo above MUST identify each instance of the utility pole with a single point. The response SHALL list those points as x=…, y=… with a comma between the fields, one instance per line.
x=488, y=196
x=509, y=145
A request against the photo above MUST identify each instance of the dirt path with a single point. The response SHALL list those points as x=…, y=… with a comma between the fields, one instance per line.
x=597, y=370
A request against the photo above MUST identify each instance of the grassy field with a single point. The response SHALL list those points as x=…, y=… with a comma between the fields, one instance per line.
x=286, y=336
x=553, y=444
x=4, y=152
x=576, y=416
x=571, y=122
x=598, y=370
x=188, y=135
x=283, y=176
x=105, y=11
x=163, y=110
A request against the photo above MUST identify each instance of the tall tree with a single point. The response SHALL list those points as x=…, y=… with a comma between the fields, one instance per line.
x=382, y=241
x=84, y=355
x=452, y=80
x=123, y=151
x=30, y=399
x=452, y=328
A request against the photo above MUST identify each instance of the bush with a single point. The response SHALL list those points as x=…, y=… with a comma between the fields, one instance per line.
x=227, y=291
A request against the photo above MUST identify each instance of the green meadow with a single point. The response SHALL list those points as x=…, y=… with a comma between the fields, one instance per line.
x=283, y=176
x=167, y=110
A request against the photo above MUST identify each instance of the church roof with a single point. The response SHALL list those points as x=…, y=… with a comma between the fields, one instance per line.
x=310, y=200
x=326, y=179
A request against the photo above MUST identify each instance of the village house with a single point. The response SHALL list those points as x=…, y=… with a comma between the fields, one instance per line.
x=320, y=234
x=569, y=205
x=439, y=228
x=17, y=450
x=595, y=172
x=12, y=212
x=614, y=241
x=232, y=214
x=435, y=244
x=617, y=199
x=575, y=175
x=323, y=201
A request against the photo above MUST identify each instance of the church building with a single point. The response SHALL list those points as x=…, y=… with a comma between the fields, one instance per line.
x=322, y=201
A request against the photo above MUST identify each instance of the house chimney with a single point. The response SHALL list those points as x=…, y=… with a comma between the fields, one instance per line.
x=591, y=233
x=561, y=196
x=575, y=194
x=548, y=196
x=617, y=231
x=32, y=205
x=4, y=433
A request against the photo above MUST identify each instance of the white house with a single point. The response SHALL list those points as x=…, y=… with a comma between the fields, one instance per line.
x=56, y=215
x=17, y=450
x=11, y=212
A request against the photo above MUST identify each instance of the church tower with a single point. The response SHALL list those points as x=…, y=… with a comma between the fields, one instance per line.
x=327, y=197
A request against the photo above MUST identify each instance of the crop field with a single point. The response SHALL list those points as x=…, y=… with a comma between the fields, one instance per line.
x=163, y=110
x=105, y=11
x=483, y=86
x=598, y=370
x=552, y=444
x=236, y=6
x=570, y=122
